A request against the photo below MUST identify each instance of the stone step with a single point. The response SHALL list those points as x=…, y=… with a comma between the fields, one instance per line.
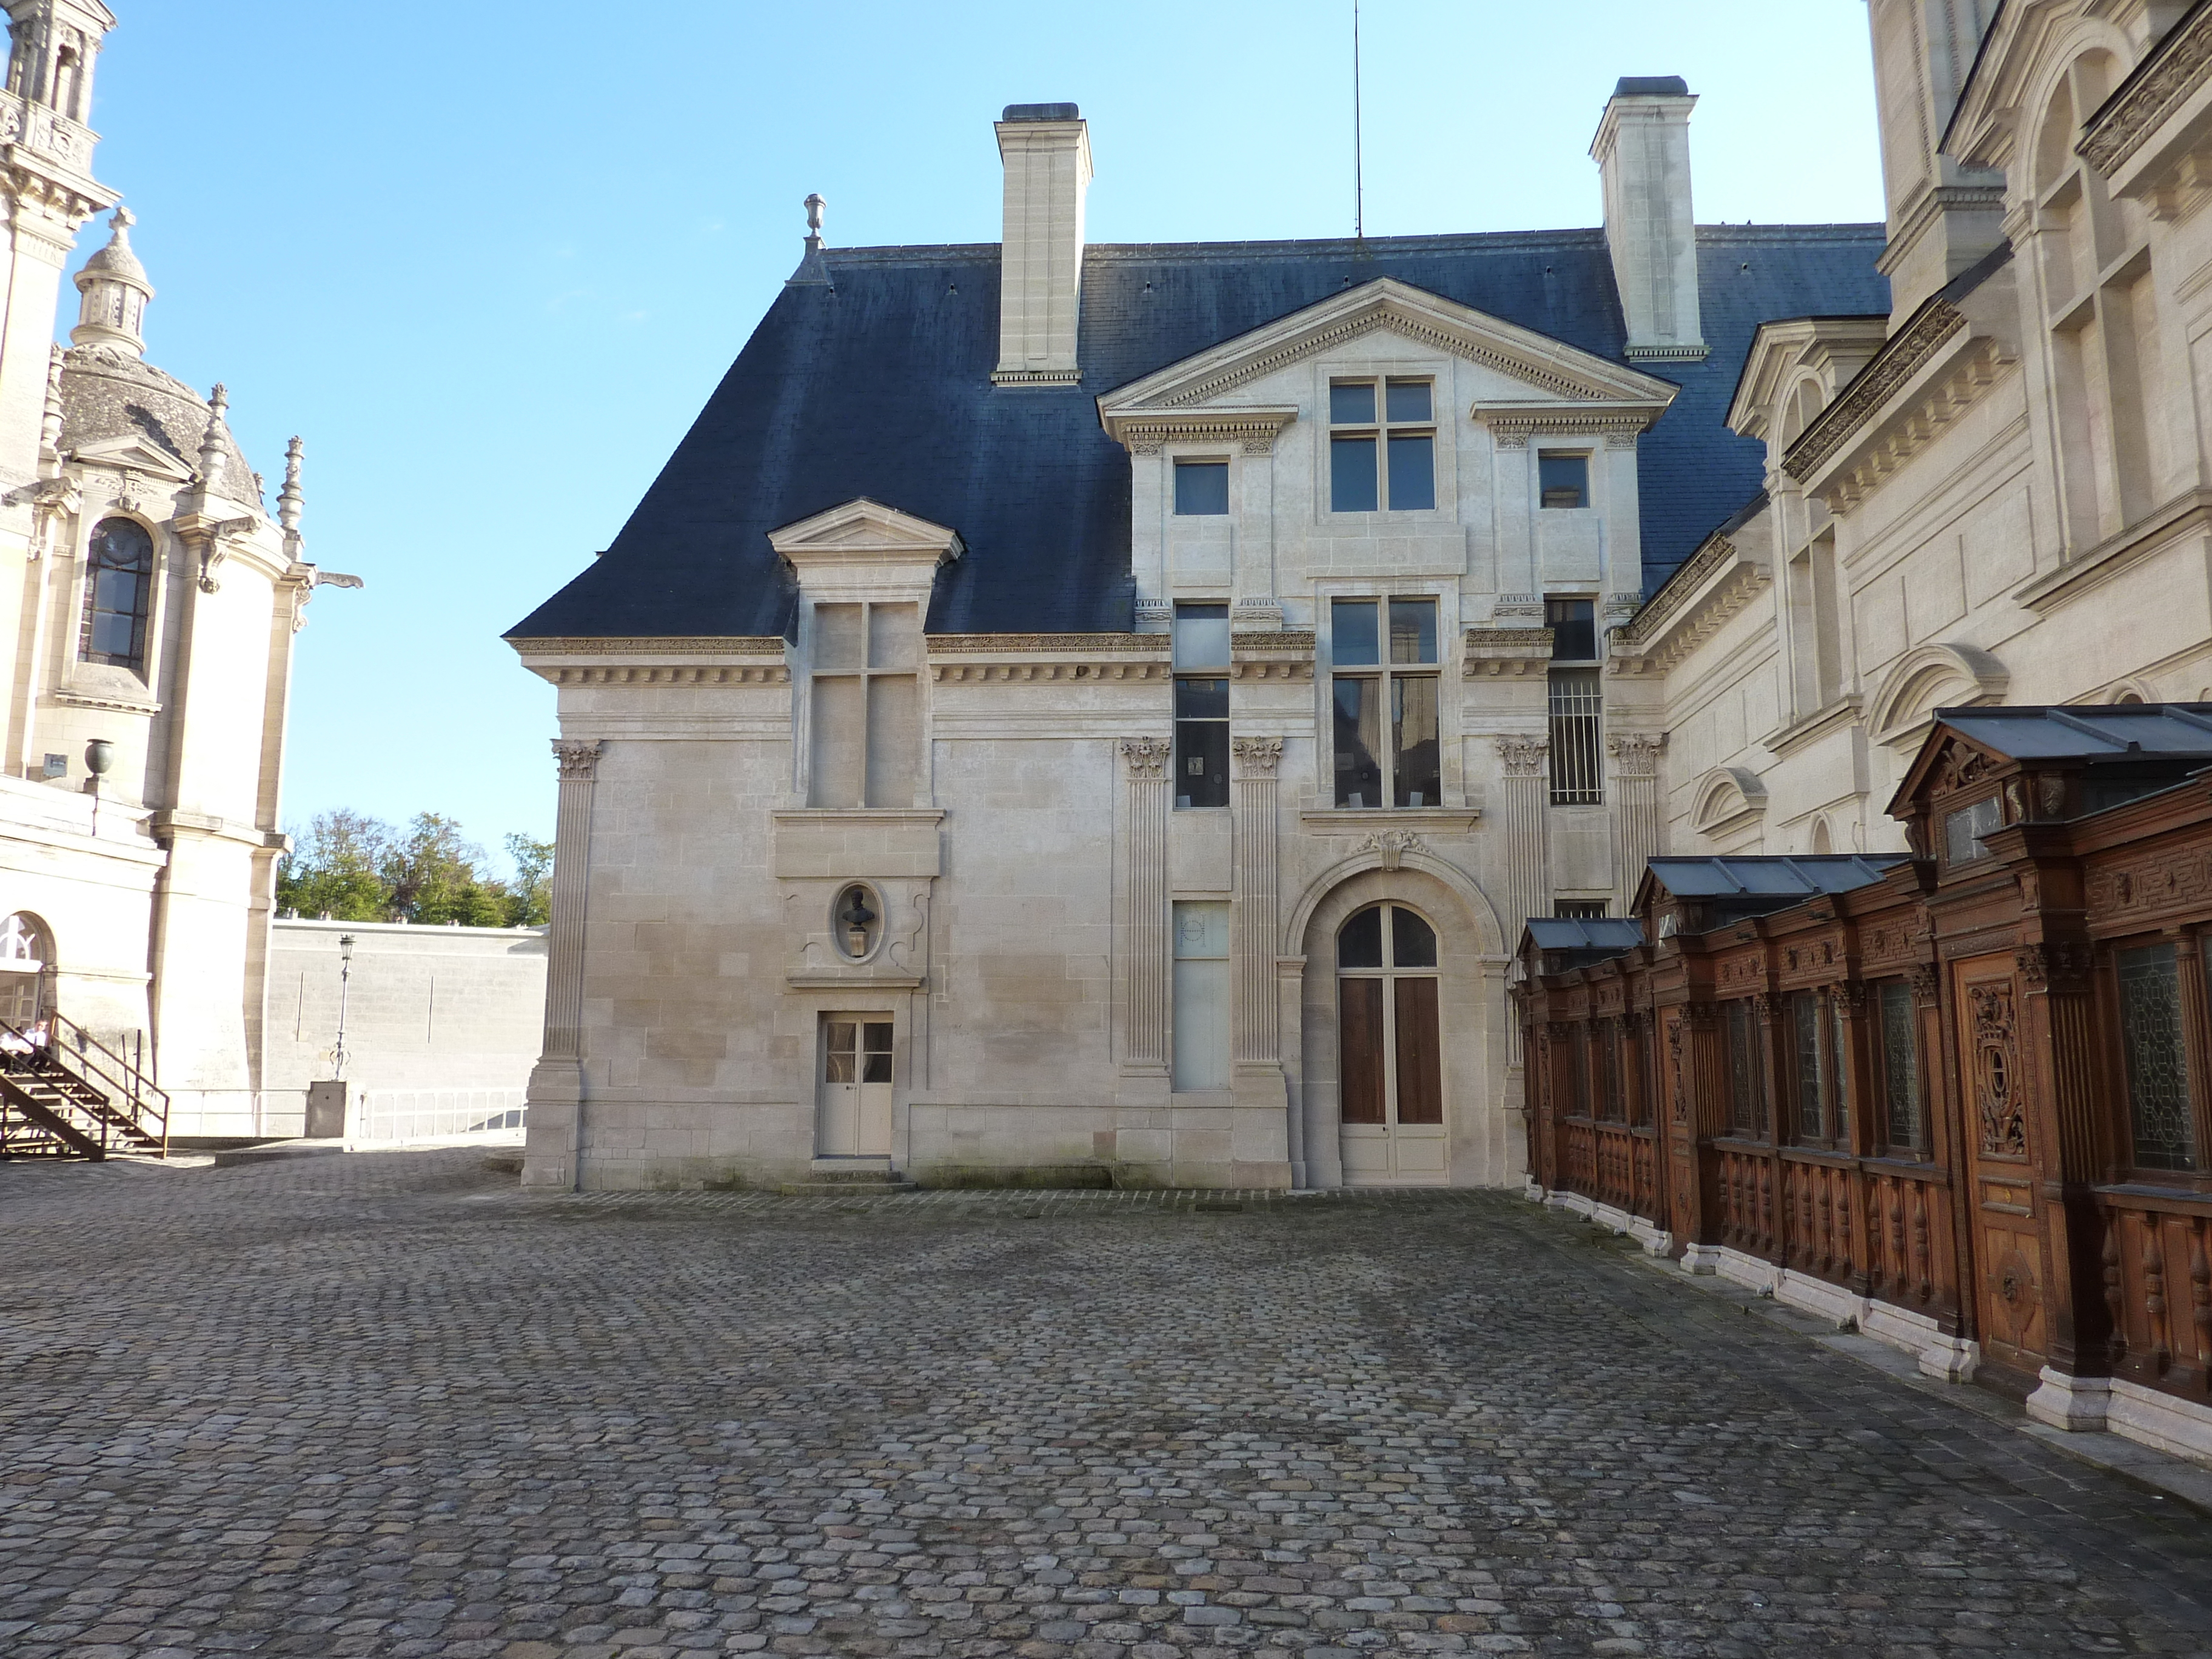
x=857, y=1183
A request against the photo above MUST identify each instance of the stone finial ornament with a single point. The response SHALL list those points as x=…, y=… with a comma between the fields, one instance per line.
x=290, y=503
x=211, y=454
x=813, y=268
x=814, y=204
x=116, y=292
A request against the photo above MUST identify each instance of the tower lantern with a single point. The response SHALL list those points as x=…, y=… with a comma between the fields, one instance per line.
x=115, y=292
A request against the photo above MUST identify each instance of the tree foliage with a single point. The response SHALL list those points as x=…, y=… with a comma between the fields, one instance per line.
x=352, y=867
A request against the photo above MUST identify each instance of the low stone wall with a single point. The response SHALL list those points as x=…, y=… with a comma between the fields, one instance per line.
x=443, y=1025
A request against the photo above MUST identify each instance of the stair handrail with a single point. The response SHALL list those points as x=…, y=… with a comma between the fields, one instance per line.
x=125, y=1083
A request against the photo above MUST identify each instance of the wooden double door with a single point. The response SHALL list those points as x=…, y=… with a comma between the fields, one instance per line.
x=853, y=1115
x=2003, y=1197
x=1390, y=1096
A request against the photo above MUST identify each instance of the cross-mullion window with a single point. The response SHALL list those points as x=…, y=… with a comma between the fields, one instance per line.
x=1384, y=693
x=867, y=702
x=1381, y=446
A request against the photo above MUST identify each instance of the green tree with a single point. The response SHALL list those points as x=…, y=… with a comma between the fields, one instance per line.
x=529, y=896
x=336, y=868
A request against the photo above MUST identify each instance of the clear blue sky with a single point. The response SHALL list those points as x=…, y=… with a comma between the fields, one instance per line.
x=489, y=257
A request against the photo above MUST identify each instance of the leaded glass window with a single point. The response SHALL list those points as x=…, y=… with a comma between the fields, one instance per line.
x=1839, y=1099
x=118, y=595
x=1900, y=1066
x=1745, y=1101
x=1805, y=1019
x=1608, y=1059
x=2159, y=1107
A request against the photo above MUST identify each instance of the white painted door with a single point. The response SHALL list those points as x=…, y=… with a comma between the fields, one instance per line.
x=854, y=1117
x=1389, y=1063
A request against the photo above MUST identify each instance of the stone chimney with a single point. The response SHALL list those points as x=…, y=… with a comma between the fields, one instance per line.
x=1642, y=153
x=1046, y=149
x=1942, y=217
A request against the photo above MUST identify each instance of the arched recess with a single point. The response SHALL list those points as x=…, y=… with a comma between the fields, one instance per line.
x=1927, y=678
x=1728, y=799
x=1821, y=842
x=2128, y=691
x=1484, y=1145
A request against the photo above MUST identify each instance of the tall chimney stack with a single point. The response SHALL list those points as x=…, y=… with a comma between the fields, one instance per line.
x=1046, y=149
x=1643, y=153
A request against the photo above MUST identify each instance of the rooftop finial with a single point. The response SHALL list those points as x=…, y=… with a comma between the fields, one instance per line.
x=812, y=267
x=211, y=450
x=290, y=504
x=115, y=292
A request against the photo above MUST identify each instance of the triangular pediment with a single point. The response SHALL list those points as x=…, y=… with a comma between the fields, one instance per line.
x=1949, y=760
x=861, y=529
x=1552, y=374
x=131, y=452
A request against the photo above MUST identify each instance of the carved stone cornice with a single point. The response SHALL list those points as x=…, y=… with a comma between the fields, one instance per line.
x=1701, y=597
x=2177, y=69
x=1512, y=425
x=1491, y=652
x=668, y=645
x=1146, y=432
x=1910, y=428
x=1910, y=351
x=764, y=673
x=579, y=759
x=1145, y=759
x=1287, y=655
x=1046, y=659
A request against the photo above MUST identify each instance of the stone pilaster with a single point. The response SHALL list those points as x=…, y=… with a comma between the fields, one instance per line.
x=553, y=1153
x=1528, y=869
x=1637, y=823
x=1144, y=879
x=1255, y=920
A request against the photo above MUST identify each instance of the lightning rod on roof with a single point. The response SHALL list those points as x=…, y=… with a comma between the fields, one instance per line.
x=1358, y=205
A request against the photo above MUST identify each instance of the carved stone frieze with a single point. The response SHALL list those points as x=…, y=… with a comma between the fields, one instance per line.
x=1905, y=356
x=2181, y=64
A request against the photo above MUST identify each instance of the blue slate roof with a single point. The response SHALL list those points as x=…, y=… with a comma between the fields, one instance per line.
x=878, y=383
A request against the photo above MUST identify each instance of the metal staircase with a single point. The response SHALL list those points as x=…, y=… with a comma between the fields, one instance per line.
x=74, y=1097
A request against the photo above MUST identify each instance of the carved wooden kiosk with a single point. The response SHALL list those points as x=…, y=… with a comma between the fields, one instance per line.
x=1962, y=1096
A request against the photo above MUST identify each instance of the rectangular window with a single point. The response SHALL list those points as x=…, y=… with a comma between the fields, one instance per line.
x=1391, y=458
x=1578, y=775
x=1202, y=705
x=1963, y=830
x=865, y=700
x=2160, y=1110
x=1747, y=1096
x=1816, y=1020
x=1201, y=995
x=1613, y=1108
x=1900, y=1066
x=1403, y=767
x=1201, y=489
x=1573, y=624
x=1581, y=909
x=1563, y=480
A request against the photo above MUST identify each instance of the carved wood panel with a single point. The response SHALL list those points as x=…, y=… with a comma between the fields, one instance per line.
x=2001, y=1191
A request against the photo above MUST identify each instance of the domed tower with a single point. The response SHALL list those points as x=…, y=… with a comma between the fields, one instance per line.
x=113, y=283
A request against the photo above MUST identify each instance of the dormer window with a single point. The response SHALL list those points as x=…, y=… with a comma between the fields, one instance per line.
x=1381, y=446
x=1563, y=480
x=1963, y=830
x=1201, y=489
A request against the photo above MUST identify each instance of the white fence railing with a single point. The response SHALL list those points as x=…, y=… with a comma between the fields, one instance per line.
x=391, y=1116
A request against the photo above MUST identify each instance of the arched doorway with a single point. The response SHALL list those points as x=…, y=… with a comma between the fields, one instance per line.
x=26, y=969
x=1391, y=1097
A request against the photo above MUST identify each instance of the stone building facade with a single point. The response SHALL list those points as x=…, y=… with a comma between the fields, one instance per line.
x=1083, y=712
x=148, y=598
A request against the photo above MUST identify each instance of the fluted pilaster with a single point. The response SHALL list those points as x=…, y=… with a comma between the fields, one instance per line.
x=1144, y=879
x=1258, y=857
x=1528, y=869
x=553, y=1149
x=1636, y=807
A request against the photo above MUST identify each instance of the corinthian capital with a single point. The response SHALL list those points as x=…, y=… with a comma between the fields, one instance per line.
x=1257, y=757
x=1146, y=757
x=1636, y=753
x=1524, y=755
x=579, y=760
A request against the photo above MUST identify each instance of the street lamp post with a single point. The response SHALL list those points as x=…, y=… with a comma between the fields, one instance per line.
x=345, y=975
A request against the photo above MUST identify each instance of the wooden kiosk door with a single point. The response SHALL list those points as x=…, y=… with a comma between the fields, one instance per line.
x=2002, y=1196
x=853, y=1118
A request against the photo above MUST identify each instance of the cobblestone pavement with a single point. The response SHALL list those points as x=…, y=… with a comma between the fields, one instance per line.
x=387, y=1405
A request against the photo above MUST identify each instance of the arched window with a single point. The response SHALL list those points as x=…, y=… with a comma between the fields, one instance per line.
x=26, y=956
x=118, y=595
x=1391, y=1072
